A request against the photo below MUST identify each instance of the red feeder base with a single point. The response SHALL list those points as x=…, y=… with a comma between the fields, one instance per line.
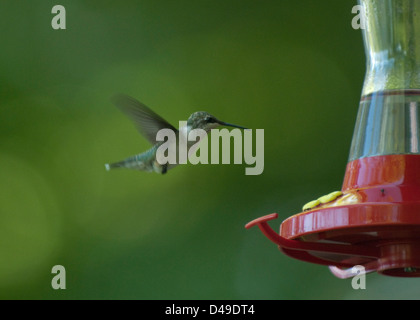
x=375, y=223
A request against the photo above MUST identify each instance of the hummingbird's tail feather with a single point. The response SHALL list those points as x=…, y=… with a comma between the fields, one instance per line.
x=109, y=166
x=136, y=162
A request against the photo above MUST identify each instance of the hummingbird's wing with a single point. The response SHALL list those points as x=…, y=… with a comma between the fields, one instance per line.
x=146, y=121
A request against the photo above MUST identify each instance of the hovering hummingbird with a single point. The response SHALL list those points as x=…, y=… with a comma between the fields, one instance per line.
x=148, y=123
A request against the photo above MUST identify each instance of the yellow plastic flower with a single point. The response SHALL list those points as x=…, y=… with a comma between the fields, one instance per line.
x=311, y=205
x=330, y=197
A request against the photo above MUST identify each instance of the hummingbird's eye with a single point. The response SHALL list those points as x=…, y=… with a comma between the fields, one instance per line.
x=210, y=120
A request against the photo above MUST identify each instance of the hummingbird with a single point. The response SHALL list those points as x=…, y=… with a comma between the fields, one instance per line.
x=148, y=123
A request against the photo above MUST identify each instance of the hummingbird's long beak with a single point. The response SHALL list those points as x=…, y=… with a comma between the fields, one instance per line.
x=230, y=125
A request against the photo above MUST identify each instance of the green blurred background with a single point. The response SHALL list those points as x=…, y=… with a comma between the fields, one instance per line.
x=292, y=68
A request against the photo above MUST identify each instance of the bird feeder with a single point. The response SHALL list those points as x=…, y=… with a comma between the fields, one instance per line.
x=374, y=221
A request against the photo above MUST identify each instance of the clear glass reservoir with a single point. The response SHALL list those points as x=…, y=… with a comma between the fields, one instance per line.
x=388, y=117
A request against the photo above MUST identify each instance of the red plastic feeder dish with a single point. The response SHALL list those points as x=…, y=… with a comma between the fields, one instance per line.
x=374, y=221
